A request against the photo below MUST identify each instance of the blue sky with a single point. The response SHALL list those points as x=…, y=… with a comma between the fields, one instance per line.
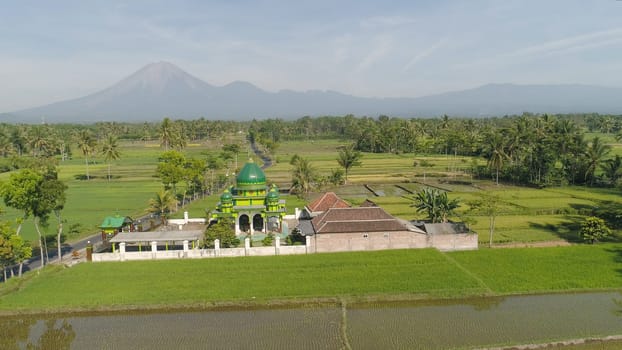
x=55, y=50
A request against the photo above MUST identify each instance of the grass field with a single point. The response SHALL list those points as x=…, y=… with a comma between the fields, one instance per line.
x=407, y=274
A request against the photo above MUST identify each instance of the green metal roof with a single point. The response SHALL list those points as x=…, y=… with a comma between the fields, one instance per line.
x=115, y=221
x=251, y=174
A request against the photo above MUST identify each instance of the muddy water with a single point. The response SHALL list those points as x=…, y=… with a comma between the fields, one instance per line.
x=438, y=325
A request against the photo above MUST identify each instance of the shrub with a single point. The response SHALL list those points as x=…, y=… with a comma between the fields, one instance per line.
x=594, y=229
x=267, y=241
x=223, y=231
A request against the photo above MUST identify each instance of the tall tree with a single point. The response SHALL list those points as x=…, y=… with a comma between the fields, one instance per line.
x=167, y=133
x=20, y=191
x=36, y=193
x=50, y=199
x=489, y=205
x=496, y=151
x=110, y=151
x=170, y=169
x=13, y=248
x=612, y=169
x=39, y=141
x=87, y=144
x=303, y=175
x=348, y=157
x=595, y=153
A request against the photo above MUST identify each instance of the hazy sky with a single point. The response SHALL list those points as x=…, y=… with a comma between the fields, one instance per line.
x=55, y=50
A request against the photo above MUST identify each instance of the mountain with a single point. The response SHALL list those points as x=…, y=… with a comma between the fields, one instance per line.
x=162, y=89
x=502, y=99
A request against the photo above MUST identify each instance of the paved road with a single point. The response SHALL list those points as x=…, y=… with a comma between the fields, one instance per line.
x=267, y=162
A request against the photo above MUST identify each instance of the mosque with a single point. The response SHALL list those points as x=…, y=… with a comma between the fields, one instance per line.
x=251, y=204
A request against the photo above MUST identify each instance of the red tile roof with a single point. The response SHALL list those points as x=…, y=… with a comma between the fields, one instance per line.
x=368, y=219
x=326, y=201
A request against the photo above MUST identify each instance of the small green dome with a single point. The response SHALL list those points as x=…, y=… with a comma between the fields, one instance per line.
x=273, y=194
x=226, y=196
x=251, y=177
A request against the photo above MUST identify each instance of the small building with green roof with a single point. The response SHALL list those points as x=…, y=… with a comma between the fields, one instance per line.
x=115, y=224
x=251, y=204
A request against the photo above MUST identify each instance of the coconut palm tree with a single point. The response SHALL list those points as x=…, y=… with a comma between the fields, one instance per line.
x=594, y=153
x=303, y=175
x=167, y=133
x=612, y=168
x=162, y=204
x=348, y=158
x=497, y=155
x=87, y=144
x=110, y=151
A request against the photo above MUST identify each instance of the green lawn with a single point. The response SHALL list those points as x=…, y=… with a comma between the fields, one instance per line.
x=179, y=282
x=411, y=274
x=540, y=270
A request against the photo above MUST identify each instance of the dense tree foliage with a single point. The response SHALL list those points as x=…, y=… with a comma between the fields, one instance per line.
x=37, y=193
x=13, y=249
x=538, y=150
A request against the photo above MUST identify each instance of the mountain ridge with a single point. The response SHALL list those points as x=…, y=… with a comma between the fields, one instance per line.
x=162, y=89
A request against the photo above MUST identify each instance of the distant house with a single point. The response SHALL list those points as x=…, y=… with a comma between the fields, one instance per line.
x=115, y=224
x=335, y=226
x=323, y=203
x=368, y=228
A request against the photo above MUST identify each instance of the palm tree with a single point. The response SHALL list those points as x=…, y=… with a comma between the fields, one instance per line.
x=39, y=141
x=595, y=152
x=612, y=169
x=162, y=204
x=110, y=151
x=303, y=175
x=348, y=158
x=496, y=148
x=167, y=133
x=86, y=144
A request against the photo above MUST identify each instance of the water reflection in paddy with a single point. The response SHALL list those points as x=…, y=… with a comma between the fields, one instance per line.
x=437, y=325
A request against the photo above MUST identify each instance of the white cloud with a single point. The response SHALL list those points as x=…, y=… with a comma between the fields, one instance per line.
x=381, y=46
x=424, y=54
x=574, y=43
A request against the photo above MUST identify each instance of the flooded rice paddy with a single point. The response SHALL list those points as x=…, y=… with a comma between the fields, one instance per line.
x=450, y=324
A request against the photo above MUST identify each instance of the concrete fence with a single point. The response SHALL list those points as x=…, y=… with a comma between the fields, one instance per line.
x=154, y=254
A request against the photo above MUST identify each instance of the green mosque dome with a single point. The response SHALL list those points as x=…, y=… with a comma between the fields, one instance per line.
x=251, y=177
x=226, y=197
x=273, y=194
